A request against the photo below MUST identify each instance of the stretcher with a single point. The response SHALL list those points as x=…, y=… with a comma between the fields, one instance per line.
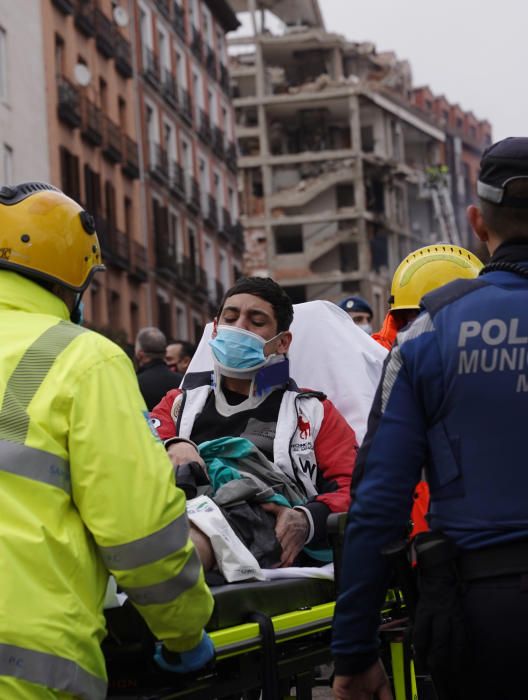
x=271, y=638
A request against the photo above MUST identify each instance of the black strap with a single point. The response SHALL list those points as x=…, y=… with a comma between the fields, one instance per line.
x=505, y=267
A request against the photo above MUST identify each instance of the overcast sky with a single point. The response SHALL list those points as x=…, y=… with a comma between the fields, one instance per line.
x=473, y=51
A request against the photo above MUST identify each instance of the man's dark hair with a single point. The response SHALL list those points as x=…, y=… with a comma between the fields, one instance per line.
x=187, y=348
x=267, y=289
x=508, y=222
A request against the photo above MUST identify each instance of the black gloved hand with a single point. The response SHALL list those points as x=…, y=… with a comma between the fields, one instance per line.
x=440, y=637
x=189, y=476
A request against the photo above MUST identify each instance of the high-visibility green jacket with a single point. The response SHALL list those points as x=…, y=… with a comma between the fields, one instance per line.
x=85, y=488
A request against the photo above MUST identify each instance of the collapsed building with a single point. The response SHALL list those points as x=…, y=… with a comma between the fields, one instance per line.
x=332, y=155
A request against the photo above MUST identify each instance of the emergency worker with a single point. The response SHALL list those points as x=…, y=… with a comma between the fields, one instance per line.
x=419, y=273
x=86, y=486
x=359, y=311
x=459, y=374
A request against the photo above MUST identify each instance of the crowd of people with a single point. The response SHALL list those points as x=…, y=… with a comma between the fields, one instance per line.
x=440, y=467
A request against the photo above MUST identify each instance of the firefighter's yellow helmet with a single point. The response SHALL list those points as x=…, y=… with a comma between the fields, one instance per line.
x=47, y=236
x=426, y=269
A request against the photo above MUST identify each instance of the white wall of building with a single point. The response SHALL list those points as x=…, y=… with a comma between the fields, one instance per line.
x=23, y=120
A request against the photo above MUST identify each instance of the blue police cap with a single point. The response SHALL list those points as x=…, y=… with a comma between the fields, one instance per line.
x=355, y=304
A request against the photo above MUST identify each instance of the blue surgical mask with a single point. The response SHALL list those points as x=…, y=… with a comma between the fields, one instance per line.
x=237, y=348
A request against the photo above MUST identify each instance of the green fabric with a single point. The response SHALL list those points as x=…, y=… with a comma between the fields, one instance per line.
x=221, y=457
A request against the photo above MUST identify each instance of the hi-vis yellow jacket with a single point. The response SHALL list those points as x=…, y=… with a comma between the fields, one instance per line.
x=85, y=488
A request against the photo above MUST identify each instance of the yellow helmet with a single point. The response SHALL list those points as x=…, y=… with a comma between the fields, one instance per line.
x=426, y=269
x=48, y=236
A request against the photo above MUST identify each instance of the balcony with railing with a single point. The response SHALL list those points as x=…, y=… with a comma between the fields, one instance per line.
x=204, y=128
x=177, y=184
x=210, y=62
x=115, y=244
x=139, y=262
x=197, y=44
x=123, y=55
x=211, y=213
x=231, y=157
x=185, y=105
x=159, y=163
x=192, y=194
x=104, y=34
x=169, y=88
x=85, y=17
x=130, y=166
x=151, y=69
x=178, y=20
x=225, y=82
x=69, y=103
x=112, y=140
x=218, y=141
x=91, y=122
x=164, y=7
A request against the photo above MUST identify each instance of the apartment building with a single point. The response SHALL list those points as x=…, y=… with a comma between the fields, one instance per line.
x=332, y=155
x=466, y=138
x=23, y=131
x=186, y=116
x=141, y=132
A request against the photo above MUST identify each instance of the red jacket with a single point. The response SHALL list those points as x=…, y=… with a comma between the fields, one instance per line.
x=334, y=447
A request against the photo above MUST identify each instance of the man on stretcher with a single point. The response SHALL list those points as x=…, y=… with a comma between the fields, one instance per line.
x=299, y=434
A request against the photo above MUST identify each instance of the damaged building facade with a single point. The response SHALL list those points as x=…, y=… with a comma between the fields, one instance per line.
x=332, y=155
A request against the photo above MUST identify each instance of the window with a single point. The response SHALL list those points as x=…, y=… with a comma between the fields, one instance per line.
x=181, y=73
x=163, y=48
x=123, y=117
x=8, y=166
x=59, y=55
x=129, y=218
x=110, y=205
x=92, y=191
x=103, y=95
x=69, y=167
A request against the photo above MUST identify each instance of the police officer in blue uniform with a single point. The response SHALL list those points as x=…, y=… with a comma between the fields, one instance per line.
x=454, y=396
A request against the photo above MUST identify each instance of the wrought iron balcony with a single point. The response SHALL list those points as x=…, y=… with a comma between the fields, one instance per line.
x=185, y=105
x=159, y=163
x=224, y=80
x=69, y=103
x=170, y=89
x=85, y=17
x=218, y=141
x=210, y=62
x=192, y=194
x=178, y=20
x=177, y=184
x=151, y=69
x=231, y=157
x=211, y=215
x=130, y=166
x=115, y=244
x=123, y=55
x=65, y=6
x=104, y=33
x=164, y=7
x=204, y=130
x=91, y=122
x=112, y=140
x=197, y=44
x=139, y=262
x=224, y=224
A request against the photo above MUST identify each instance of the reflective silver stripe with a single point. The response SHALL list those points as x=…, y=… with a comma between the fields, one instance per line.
x=167, y=591
x=35, y=464
x=50, y=671
x=148, y=549
x=28, y=376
